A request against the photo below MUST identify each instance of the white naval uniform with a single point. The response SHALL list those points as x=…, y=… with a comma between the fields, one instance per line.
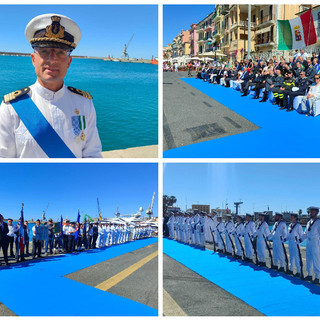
x=248, y=231
x=295, y=232
x=170, y=224
x=262, y=234
x=229, y=227
x=278, y=234
x=237, y=232
x=196, y=221
x=100, y=236
x=220, y=230
x=58, y=108
x=209, y=226
x=200, y=229
x=313, y=247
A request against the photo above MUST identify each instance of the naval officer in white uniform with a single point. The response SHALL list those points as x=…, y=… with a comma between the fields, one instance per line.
x=312, y=233
x=62, y=121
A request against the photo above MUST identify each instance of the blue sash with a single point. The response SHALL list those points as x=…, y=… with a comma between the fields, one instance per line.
x=41, y=130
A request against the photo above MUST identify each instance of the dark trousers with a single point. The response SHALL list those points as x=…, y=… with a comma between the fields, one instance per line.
x=65, y=243
x=36, y=247
x=50, y=244
x=94, y=240
x=4, y=247
x=90, y=242
x=70, y=243
x=258, y=87
x=26, y=246
x=10, y=245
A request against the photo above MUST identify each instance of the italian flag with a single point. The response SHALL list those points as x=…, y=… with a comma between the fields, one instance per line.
x=297, y=33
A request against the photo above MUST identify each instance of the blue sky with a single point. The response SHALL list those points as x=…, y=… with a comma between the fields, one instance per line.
x=105, y=28
x=69, y=187
x=178, y=17
x=281, y=186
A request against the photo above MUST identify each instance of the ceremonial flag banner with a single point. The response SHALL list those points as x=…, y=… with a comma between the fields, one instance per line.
x=78, y=227
x=297, y=33
x=21, y=242
x=61, y=231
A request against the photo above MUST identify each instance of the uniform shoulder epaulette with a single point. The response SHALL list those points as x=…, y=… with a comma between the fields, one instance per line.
x=82, y=93
x=14, y=95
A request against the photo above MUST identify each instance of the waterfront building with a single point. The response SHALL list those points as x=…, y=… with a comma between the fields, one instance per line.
x=201, y=207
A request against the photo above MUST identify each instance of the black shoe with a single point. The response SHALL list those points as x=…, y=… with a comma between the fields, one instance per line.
x=297, y=275
x=23, y=259
x=282, y=108
x=275, y=103
x=244, y=95
x=262, y=264
x=281, y=269
x=289, y=272
x=290, y=109
x=316, y=281
x=7, y=264
x=256, y=97
x=263, y=100
x=40, y=256
x=308, y=278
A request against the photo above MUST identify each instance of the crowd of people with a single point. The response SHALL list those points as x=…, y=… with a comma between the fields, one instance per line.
x=277, y=80
x=251, y=241
x=45, y=239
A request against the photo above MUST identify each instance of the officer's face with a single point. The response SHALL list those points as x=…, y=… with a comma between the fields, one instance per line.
x=51, y=69
x=313, y=213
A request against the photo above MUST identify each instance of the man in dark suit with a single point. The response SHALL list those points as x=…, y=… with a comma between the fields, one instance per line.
x=4, y=239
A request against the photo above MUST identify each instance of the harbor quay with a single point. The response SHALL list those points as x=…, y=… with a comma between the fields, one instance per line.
x=190, y=116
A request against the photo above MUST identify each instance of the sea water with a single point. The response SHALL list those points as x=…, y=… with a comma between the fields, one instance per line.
x=125, y=96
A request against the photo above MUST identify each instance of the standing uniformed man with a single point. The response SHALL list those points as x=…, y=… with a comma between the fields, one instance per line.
x=220, y=230
x=294, y=234
x=262, y=232
x=278, y=235
x=4, y=239
x=229, y=228
x=248, y=232
x=36, y=240
x=237, y=232
x=49, y=119
x=312, y=233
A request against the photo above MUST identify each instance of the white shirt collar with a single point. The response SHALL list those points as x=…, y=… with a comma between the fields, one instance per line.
x=48, y=94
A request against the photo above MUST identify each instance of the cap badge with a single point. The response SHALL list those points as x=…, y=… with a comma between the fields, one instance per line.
x=55, y=30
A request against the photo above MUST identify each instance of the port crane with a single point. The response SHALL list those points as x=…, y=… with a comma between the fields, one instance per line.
x=149, y=211
x=124, y=51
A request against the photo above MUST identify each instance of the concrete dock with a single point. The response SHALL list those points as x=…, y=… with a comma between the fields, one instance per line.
x=137, y=152
x=190, y=116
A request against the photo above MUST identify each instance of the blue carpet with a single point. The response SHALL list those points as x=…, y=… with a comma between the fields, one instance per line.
x=270, y=292
x=54, y=295
x=282, y=134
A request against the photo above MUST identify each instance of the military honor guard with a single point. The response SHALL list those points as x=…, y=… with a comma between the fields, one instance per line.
x=278, y=235
x=229, y=228
x=220, y=231
x=248, y=232
x=294, y=234
x=237, y=233
x=262, y=232
x=312, y=234
x=49, y=119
